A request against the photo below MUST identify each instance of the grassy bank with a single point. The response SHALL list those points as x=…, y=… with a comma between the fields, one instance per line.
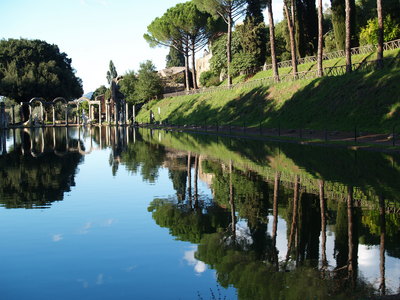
x=368, y=100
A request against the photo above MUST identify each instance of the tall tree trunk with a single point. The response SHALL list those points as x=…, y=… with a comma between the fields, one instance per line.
x=323, y=223
x=229, y=50
x=290, y=21
x=194, y=67
x=272, y=41
x=275, y=207
x=196, y=175
x=186, y=54
x=293, y=228
x=320, y=39
x=348, y=37
x=382, y=285
x=275, y=224
x=350, y=230
x=380, y=33
x=232, y=203
x=189, y=177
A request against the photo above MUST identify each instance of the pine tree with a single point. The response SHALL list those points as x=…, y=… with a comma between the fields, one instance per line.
x=111, y=73
x=339, y=25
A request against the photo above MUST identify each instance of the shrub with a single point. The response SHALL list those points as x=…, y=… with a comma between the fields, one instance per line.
x=243, y=63
x=369, y=33
x=208, y=78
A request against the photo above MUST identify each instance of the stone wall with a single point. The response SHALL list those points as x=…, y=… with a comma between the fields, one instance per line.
x=202, y=65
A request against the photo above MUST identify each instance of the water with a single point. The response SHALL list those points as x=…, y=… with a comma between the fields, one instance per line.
x=115, y=214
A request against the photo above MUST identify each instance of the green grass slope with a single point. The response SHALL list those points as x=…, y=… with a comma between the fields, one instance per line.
x=368, y=100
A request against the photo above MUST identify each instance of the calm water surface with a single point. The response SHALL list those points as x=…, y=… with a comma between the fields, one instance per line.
x=123, y=214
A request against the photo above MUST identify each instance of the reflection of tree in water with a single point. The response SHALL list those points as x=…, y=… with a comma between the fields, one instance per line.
x=250, y=263
x=27, y=181
x=325, y=202
x=144, y=156
x=186, y=222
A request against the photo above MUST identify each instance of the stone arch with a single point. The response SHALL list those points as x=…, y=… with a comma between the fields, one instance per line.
x=92, y=104
x=54, y=102
x=31, y=104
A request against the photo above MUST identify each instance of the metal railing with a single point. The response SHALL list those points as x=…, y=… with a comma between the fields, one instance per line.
x=310, y=74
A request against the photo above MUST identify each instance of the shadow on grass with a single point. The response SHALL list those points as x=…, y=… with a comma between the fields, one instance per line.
x=367, y=100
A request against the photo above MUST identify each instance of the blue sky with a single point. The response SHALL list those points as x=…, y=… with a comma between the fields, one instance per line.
x=92, y=32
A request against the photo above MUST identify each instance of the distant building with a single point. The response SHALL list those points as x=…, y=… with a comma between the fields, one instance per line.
x=173, y=79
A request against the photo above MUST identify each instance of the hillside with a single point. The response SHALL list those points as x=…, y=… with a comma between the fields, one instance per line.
x=369, y=100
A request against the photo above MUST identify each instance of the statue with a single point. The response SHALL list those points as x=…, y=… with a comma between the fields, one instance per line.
x=84, y=118
x=36, y=122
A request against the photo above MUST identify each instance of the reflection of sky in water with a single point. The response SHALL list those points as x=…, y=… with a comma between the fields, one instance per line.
x=101, y=242
x=368, y=258
x=198, y=266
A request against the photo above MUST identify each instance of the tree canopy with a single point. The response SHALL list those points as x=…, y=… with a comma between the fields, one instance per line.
x=34, y=68
x=149, y=84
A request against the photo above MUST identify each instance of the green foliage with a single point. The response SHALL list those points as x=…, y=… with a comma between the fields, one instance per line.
x=369, y=34
x=339, y=26
x=208, y=78
x=188, y=223
x=306, y=27
x=148, y=85
x=243, y=63
x=253, y=39
x=127, y=87
x=254, y=33
x=329, y=41
x=34, y=68
x=337, y=102
x=175, y=58
x=143, y=157
x=282, y=43
x=98, y=92
x=222, y=8
x=111, y=73
x=218, y=61
x=33, y=182
x=366, y=10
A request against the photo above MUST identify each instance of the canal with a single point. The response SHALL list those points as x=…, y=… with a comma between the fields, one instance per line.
x=121, y=213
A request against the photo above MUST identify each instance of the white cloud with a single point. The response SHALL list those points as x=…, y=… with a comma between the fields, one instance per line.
x=100, y=279
x=199, y=266
x=85, y=228
x=57, y=237
x=109, y=222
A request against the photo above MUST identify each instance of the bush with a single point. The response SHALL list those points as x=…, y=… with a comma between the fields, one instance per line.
x=369, y=33
x=243, y=63
x=208, y=78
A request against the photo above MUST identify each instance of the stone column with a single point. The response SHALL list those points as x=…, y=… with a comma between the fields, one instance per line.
x=67, y=138
x=54, y=139
x=115, y=114
x=108, y=113
x=13, y=114
x=127, y=135
x=41, y=112
x=126, y=113
x=30, y=114
x=3, y=118
x=133, y=114
x=54, y=116
x=78, y=119
x=66, y=115
x=100, y=121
